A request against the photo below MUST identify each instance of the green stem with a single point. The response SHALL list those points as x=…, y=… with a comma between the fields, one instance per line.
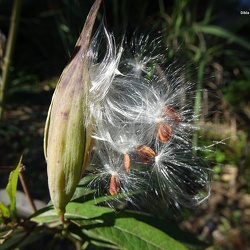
x=197, y=103
x=161, y=6
x=15, y=16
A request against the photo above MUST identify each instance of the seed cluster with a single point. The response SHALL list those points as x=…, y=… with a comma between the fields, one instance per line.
x=142, y=108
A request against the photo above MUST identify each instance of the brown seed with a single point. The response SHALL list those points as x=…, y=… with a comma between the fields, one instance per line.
x=171, y=114
x=164, y=132
x=114, y=186
x=145, y=153
x=126, y=162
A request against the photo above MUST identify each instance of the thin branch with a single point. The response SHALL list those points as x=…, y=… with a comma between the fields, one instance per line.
x=15, y=17
x=26, y=191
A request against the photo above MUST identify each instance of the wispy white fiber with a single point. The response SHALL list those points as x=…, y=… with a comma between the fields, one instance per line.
x=103, y=68
x=142, y=110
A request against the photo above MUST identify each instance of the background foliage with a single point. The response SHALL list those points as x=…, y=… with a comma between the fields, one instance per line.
x=210, y=38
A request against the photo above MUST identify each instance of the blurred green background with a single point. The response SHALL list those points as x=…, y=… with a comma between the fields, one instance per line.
x=210, y=38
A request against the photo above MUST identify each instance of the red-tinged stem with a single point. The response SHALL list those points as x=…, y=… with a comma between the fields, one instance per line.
x=26, y=191
x=62, y=219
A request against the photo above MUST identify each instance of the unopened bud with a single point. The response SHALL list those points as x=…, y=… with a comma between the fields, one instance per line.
x=65, y=132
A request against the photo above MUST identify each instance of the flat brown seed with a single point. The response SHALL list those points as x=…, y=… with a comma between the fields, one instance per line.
x=126, y=162
x=171, y=114
x=164, y=132
x=114, y=186
x=145, y=153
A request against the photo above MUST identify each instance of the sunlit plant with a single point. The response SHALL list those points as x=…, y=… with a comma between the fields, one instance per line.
x=124, y=113
x=127, y=113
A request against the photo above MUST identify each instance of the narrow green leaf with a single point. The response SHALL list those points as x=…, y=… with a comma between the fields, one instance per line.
x=12, y=187
x=19, y=238
x=13, y=239
x=86, y=180
x=81, y=192
x=220, y=32
x=45, y=215
x=4, y=211
x=129, y=233
x=82, y=189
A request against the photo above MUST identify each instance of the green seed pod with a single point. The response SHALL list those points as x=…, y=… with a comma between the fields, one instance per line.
x=65, y=139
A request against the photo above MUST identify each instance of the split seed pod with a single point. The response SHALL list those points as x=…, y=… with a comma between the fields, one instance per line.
x=65, y=140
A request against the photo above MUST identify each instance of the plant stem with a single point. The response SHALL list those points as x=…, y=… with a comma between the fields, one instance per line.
x=7, y=168
x=197, y=103
x=161, y=6
x=14, y=21
x=26, y=191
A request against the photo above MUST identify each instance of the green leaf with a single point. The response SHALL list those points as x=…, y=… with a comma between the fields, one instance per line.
x=85, y=211
x=170, y=228
x=4, y=212
x=220, y=32
x=12, y=187
x=13, y=239
x=73, y=211
x=81, y=192
x=86, y=180
x=45, y=215
x=19, y=238
x=82, y=187
x=128, y=233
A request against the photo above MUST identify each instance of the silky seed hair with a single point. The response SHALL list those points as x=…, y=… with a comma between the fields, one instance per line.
x=181, y=174
x=109, y=164
x=103, y=68
x=141, y=107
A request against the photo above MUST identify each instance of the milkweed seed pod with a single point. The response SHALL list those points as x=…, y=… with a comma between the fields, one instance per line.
x=65, y=138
